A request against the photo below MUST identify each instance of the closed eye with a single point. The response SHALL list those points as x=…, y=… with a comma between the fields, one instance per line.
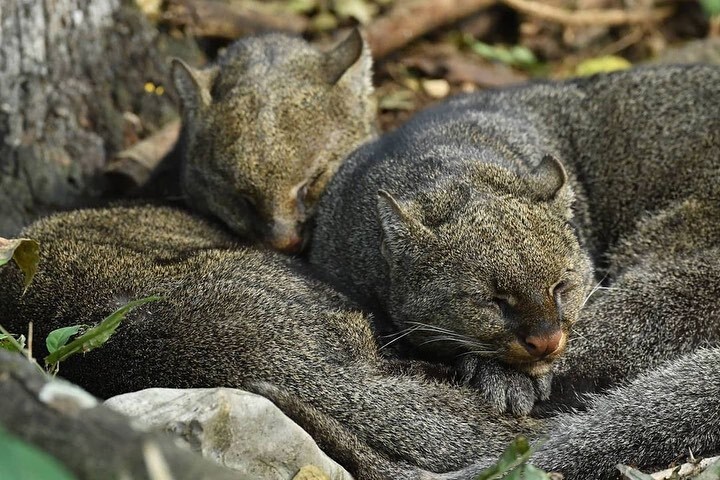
x=505, y=301
x=316, y=176
x=501, y=303
x=561, y=287
x=302, y=192
x=247, y=202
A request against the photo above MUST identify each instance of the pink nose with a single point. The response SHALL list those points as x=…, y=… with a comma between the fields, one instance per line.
x=542, y=345
x=289, y=244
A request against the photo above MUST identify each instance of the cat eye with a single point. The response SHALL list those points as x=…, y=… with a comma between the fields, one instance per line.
x=316, y=176
x=563, y=286
x=500, y=303
x=248, y=202
x=504, y=302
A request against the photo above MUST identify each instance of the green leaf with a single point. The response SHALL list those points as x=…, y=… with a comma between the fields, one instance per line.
x=517, y=56
x=323, y=22
x=301, y=6
x=523, y=56
x=58, y=338
x=527, y=472
x=633, y=474
x=711, y=7
x=20, y=460
x=608, y=63
x=12, y=343
x=95, y=336
x=397, y=100
x=513, y=465
x=25, y=252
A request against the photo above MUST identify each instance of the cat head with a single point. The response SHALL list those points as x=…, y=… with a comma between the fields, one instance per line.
x=266, y=127
x=489, y=265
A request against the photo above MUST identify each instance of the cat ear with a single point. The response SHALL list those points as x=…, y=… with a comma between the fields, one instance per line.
x=549, y=177
x=400, y=225
x=193, y=85
x=345, y=56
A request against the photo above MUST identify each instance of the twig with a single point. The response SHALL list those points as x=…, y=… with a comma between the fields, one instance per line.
x=20, y=349
x=685, y=469
x=605, y=17
x=12, y=340
x=410, y=19
x=30, y=341
x=635, y=35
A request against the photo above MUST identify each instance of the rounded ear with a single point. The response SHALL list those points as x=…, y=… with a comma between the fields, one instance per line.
x=193, y=85
x=550, y=177
x=343, y=56
x=401, y=229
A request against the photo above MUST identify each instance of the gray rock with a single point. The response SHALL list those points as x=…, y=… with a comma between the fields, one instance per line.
x=240, y=430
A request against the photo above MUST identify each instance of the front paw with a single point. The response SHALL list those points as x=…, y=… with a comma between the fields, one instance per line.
x=503, y=387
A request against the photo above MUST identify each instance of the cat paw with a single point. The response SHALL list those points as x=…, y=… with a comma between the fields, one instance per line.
x=504, y=388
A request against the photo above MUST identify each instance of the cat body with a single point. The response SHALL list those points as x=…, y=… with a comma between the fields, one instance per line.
x=632, y=145
x=237, y=316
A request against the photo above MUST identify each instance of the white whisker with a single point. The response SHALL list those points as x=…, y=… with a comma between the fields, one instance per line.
x=592, y=292
x=482, y=353
x=400, y=335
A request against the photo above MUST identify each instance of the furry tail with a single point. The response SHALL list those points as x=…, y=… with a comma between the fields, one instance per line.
x=657, y=418
x=333, y=438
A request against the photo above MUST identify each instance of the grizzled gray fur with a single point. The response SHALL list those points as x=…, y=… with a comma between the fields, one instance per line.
x=662, y=299
x=266, y=126
x=433, y=223
x=235, y=316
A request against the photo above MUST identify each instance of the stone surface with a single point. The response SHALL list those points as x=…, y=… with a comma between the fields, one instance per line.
x=90, y=440
x=240, y=430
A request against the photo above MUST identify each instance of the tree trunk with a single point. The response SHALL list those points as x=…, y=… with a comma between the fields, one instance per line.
x=77, y=84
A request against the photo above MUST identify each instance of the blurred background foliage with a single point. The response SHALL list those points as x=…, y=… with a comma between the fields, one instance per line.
x=462, y=45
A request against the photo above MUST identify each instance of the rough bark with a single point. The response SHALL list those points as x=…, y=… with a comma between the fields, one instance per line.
x=91, y=440
x=72, y=93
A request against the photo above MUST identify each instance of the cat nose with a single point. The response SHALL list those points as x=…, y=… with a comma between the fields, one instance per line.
x=544, y=344
x=286, y=236
x=288, y=244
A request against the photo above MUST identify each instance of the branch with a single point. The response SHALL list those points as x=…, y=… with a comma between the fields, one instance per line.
x=242, y=17
x=686, y=469
x=605, y=17
x=137, y=163
x=411, y=19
